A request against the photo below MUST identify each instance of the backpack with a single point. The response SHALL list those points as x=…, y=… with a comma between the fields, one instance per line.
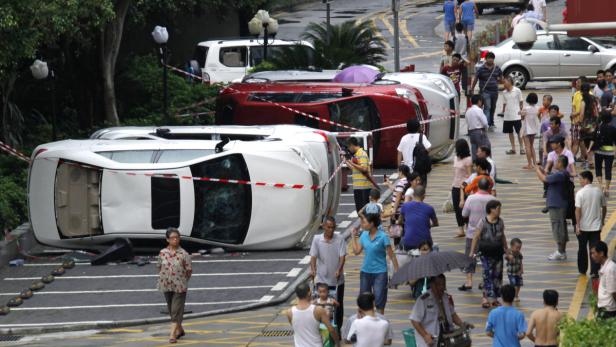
x=422, y=163
x=491, y=239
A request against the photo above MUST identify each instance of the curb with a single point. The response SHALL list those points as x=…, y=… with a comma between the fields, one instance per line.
x=133, y=322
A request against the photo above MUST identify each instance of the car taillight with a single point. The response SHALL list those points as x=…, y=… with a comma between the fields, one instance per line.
x=38, y=152
x=483, y=54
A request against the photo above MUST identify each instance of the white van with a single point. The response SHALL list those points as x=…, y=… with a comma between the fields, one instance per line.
x=230, y=60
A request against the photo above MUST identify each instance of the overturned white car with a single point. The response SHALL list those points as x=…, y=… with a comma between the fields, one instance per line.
x=266, y=191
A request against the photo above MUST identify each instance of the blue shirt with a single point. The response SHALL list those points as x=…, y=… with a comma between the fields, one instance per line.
x=506, y=323
x=449, y=9
x=417, y=216
x=488, y=78
x=468, y=12
x=556, y=196
x=375, y=251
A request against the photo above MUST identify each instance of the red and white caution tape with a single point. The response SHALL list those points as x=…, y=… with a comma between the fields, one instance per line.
x=13, y=152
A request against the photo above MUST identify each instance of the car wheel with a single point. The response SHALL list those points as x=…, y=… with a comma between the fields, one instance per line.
x=519, y=75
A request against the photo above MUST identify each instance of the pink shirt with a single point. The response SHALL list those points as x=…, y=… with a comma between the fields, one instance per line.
x=460, y=170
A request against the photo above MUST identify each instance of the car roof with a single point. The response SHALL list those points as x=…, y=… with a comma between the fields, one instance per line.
x=251, y=42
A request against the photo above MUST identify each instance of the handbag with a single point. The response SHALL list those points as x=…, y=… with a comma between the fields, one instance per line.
x=448, y=204
x=460, y=337
x=395, y=230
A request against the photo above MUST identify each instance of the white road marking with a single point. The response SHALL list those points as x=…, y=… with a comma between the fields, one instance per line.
x=129, y=305
x=54, y=324
x=294, y=272
x=344, y=224
x=279, y=286
x=346, y=194
x=266, y=298
x=144, y=276
x=64, y=334
x=353, y=215
x=305, y=260
x=194, y=261
x=346, y=204
x=103, y=291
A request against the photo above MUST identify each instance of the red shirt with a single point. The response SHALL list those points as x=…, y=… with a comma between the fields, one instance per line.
x=453, y=72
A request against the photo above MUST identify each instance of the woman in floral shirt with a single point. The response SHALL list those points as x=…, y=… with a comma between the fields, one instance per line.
x=174, y=268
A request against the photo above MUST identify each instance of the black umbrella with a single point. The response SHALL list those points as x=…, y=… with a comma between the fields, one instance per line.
x=431, y=264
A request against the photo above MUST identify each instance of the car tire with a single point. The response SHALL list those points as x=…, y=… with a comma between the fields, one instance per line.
x=519, y=75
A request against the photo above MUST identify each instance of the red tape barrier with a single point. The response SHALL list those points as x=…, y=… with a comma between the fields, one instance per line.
x=12, y=151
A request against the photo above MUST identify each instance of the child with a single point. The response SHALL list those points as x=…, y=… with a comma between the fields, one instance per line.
x=446, y=58
x=325, y=300
x=530, y=128
x=515, y=268
x=461, y=43
x=544, y=113
x=373, y=207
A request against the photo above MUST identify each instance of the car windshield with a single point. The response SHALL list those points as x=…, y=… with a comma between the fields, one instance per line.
x=222, y=210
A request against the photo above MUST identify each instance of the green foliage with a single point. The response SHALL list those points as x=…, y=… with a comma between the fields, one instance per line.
x=142, y=89
x=350, y=43
x=264, y=66
x=13, y=201
x=587, y=333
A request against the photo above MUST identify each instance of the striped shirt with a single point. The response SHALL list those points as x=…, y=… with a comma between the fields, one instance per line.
x=360, y=181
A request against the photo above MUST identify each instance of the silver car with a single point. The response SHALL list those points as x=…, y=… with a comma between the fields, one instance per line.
x=554, y=56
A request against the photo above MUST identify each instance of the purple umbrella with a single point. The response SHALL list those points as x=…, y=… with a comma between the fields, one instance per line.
x=357, y=74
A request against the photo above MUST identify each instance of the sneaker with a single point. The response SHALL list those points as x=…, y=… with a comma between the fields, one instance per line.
x=557, y=256
x=544, y=210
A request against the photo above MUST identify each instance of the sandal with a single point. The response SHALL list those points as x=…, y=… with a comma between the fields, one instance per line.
x=464, y=287
x=528, y=167
x=181, y=334
x=485, y=304
x=496, y=303
x=173, y=340
x=522, y=152
x=511, y=151
x=460, y=235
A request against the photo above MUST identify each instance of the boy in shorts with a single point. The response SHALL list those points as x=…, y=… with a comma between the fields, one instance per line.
x=515, y=268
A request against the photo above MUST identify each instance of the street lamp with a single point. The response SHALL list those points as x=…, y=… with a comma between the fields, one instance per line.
x=161, y=36
x=41, y=71
x=262, y=23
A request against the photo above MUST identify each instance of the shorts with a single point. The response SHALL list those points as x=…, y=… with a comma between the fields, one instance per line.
x=470, y=269
x=375, y=283
x=449, y=26
x=559, y=224
x=515, y=280
x=575, y=132
x=468, y=25
x=510, y=125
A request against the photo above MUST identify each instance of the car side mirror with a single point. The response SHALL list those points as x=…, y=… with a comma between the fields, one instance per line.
x=592, y=49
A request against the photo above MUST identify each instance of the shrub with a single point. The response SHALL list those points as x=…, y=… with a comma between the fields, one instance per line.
x=13, y=200
x=587, y=333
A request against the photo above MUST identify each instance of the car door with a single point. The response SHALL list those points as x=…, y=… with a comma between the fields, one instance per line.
x=540, y=59
x=575, y=59
x=232, y=64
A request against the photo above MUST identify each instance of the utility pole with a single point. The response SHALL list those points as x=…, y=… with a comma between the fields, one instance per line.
x=395, y=7
x=327, y=19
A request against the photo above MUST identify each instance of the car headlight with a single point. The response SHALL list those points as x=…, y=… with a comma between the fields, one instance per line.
x=442, y=86
x=405, y=93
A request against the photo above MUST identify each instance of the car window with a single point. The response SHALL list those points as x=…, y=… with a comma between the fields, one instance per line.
x=568, y=43
x=544, y=42
x=165, y=203
x=222, y=210
x=233, y=56
x=129, y=156
x=274, y=97
x=200, y=55
x=256, y=53
x=357, y=113
x=177, y=155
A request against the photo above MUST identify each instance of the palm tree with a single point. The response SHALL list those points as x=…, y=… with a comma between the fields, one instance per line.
x=350, y=43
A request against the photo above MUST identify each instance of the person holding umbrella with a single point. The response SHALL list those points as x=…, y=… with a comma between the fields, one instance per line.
x=376, y=245
x=490, y=237
x=425, y=317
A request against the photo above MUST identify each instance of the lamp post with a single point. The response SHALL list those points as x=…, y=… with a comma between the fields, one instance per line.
x=263, y=23
x=161, y=36
x=327, y=18
x=395, y=8
x=41, y=71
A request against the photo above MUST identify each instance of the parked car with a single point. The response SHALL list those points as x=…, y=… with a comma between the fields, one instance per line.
x=227, y=61
x=438, y=95
x=83, y=193
x=554, y=56
x=497, y=4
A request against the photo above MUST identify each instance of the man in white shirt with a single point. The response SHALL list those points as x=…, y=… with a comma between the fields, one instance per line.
x=512, y=105
x=606, y=296
x=477, y=124
x=590, y=211
x=408, y=142
x=540, y=8
x=369, y=330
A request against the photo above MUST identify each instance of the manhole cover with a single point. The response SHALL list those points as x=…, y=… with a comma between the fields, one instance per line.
x=277, y=333
x=10, y=337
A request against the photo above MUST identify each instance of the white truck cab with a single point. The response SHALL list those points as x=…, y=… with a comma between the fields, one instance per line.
x=225, y=61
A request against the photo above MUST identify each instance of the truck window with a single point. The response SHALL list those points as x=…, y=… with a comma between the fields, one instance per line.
x=233, y=56
x=200, y=55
